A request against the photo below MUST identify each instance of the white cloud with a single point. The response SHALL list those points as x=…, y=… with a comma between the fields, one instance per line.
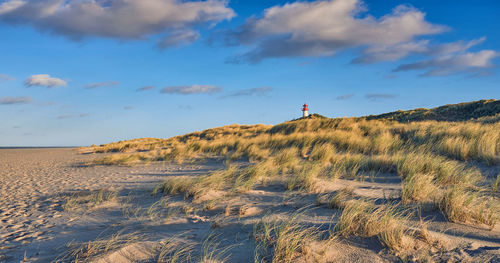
x=101, y=84
x=15, y=100
x=455, y=47
x=178, y=37
x=193, y=89
x=453, y=58
x=322, y=28
x=119, y=19
x=391, y=52
x=44, y=80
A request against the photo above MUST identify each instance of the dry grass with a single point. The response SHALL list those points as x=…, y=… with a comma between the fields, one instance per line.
x=282, y=240
x=88, y=251
x=462, y=205
x=319, y=140
x=419, y=187
x=427, y=155
x=364, y=218
x=340, y=199
x=212, y=251
x=496, y=184
x=172, y=251
x=88, y=200
x=438, y=163
x=195, y=187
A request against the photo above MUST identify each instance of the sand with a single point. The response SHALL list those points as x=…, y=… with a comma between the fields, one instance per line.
x=38, y=226
x=33, y=186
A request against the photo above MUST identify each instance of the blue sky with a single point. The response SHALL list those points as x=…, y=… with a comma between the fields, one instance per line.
x=71, y=72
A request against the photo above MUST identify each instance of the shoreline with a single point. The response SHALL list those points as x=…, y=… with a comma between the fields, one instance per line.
x=38, y=147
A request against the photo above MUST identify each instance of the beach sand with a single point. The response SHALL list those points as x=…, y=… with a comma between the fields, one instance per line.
x=34, y=184
x=38, y=224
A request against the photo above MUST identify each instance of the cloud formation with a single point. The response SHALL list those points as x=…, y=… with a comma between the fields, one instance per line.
x=101, y=84
x=15, y=100
x=145, y=88
x=193, y=89
x=322, y=28
x=174, y=20
x=261, y=91
x=453, y=58
x=44, y=80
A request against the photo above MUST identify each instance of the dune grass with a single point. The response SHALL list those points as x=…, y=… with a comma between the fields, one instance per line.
x=364, y=218
x=91, y=250
x=319, y=140
x=439, y=163
x=495, y=186
x=429, y=156
x=418, y=187
x=339, y=200
x=461, y=205
x=282, y=240
x=171, y=251
x=88, y=200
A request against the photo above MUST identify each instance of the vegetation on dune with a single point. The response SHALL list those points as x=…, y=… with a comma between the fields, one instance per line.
x=364, y=218
x=437, y=161
x=454, y=112
x=463, y=141
x=283, y=240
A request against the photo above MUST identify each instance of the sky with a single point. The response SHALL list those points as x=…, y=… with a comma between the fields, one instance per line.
x=82, y=72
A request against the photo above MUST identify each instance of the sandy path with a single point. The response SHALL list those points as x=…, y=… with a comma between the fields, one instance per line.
x=32, y=180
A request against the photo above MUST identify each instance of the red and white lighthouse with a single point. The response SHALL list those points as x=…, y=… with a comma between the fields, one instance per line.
x=305, y=111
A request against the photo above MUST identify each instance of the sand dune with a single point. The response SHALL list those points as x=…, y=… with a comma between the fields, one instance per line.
x=47, y=213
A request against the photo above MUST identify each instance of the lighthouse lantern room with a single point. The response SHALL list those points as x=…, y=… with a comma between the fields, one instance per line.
x=305, y=111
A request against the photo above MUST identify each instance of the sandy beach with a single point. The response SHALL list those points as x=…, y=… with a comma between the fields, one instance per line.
x=34, y=184
x=38, y=226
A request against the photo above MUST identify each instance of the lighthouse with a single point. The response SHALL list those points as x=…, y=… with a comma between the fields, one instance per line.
x=305, y=111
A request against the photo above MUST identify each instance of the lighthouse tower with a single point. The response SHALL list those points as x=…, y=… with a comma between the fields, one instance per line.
x=305, y=111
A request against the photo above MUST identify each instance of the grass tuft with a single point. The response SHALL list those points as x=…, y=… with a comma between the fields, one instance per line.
x=282, y=241
x=461, y=205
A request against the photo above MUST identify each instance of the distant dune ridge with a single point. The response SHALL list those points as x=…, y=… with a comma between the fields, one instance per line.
x=451, y=112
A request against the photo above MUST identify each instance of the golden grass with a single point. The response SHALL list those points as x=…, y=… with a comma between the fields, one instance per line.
x=88, y=251
x=461, y=205
x=320, y=139
x=418, y=187
x=340, y=199
x=195, y=187
x=364, y=218
x=496, y=184
x=432, y=158
x=172, y=251
x=212, y=251
x=282, y=240
x=304, y=178
x=88, y=200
